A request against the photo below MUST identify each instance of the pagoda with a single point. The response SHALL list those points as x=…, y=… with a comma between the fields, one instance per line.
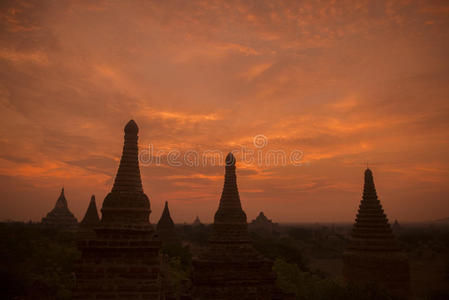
x=197, y=222
x=263, y=225
x=373, y=253
x=122, y=261
x=396, y=227
x=89, y=222
x=60, y=216
x=166, y=227
x=230, y=268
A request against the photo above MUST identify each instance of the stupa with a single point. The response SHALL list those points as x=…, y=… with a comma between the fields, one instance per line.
x=89, y=222
x=230, y=268
x=60, y=216
x=373, y=253
x=166, y=227
x=123, y=260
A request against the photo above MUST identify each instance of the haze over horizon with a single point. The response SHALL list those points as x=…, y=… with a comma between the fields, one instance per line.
x=344, y=82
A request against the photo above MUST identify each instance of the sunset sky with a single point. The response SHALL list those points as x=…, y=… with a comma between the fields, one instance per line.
x=345, y=82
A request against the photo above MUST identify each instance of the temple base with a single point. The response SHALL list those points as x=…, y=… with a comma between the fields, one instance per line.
x=234, y=280
x=117, y=269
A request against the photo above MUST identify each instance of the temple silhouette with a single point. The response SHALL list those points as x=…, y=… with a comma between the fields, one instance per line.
x=230, y=268
x=60, y=216
x=262, y=225
x=89, y=222
x=166, y=227
x=121, y=251
x=122, y=260
x=197, y=222
x=373, y=253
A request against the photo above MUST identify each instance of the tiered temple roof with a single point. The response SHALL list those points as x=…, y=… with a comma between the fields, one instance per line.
x=263, y=225
x=372, y=231
x=262, y=218
x=166, y=227
x=373, y=253
x=60, y=216
x=230, y=268
x=122, y=261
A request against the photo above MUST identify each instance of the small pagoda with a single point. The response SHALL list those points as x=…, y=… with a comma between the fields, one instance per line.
x=166, y=227
x=122, y=260
x=396, y=227
x=230, y=268
x=373, y=254
x=60, y=216
x=197, y=222
x=89, y=222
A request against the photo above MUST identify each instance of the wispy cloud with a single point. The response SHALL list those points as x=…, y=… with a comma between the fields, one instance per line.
x=345, y=82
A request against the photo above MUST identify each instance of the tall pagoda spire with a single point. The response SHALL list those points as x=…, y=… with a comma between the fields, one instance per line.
x=230, y=208
x=127, y=196
x=124, y=242
x=373, y=253
x=230, y=219
x=128, y=174
x=230, y=268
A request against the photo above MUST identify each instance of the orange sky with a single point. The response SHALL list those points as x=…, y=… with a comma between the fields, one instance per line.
x=345, y=82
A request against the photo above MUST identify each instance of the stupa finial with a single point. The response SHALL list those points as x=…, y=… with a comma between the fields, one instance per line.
x=131, y=127
x=230, y=159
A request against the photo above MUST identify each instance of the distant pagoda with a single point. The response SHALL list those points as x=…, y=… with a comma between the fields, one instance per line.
x=122, y=261
x=197, y=222
x=60, y=216
x=263, y=225
x=89, y=222
x=373, y=253
x=230, y=268
x=166, y=227
x=396, y=227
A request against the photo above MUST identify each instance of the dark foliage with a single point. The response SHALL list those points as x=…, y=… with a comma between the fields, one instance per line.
x=37, y=262
x=176, y=250
x=195, y=234
x=305, y=285
x=284, y=248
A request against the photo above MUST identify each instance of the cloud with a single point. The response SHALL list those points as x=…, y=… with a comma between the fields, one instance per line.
x=39, y=58
x=346, y=83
